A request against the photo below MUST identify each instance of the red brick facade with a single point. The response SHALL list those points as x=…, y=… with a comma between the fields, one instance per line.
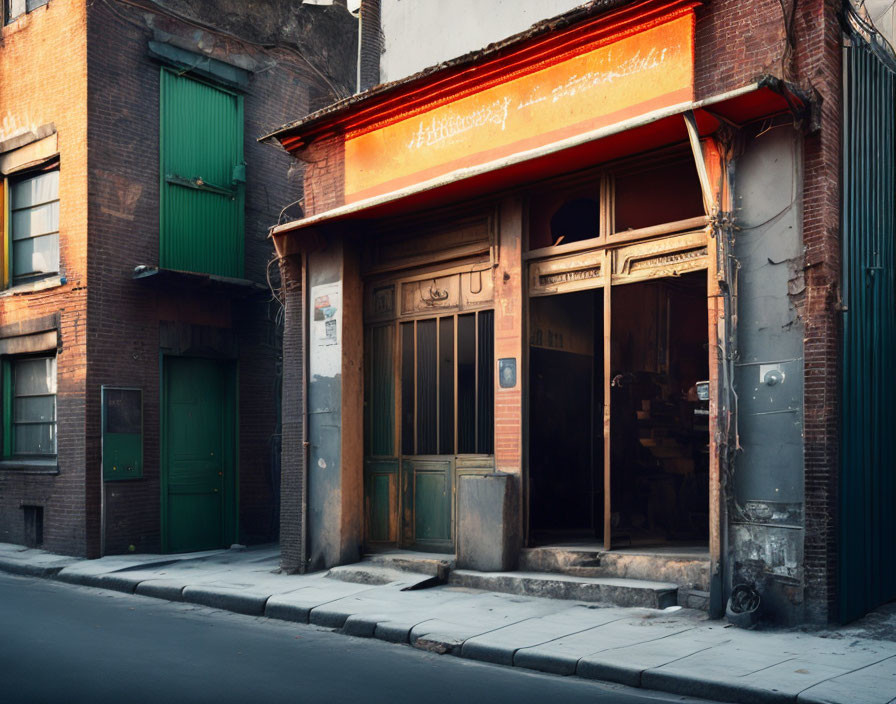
x=87, y=69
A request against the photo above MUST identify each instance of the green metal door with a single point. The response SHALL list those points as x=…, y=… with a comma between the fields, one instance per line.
x=202, y=174
x=868, y=414
x=197, y=455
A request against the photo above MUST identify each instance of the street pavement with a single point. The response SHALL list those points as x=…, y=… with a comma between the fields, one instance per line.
x=677, y=651
x=66, y=643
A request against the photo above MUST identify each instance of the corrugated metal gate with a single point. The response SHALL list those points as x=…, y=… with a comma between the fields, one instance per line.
x=867, y=486
x=202, y=175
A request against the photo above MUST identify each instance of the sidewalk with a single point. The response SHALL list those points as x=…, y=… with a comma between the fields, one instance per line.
x=677, y=651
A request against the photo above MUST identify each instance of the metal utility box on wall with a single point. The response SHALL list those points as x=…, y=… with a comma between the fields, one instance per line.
x=122, y=433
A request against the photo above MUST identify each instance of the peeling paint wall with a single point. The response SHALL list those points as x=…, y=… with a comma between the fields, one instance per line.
x=766, y=492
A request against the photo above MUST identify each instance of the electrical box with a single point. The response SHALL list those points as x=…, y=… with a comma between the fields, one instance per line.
x=122, y=433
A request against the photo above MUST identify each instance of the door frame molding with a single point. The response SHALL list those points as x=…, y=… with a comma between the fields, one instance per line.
x=231, y=511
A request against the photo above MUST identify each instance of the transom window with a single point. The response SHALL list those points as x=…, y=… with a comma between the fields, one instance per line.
x=34, y=224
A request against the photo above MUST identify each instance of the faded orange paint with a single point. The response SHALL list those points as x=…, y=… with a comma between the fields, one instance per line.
x=643, y=71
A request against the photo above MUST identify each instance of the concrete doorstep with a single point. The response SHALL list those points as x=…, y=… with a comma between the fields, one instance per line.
x=672, y=650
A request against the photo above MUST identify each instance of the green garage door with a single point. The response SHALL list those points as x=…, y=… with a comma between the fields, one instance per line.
x=198, y=455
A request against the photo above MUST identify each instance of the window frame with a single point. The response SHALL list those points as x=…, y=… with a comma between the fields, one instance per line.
x=482, y=388
x=7, y=378
x=9, y=183
x=30, y=6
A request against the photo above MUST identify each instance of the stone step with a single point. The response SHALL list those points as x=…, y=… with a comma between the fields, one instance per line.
x=609, y=590
x=418, y=562
x=367, y=572
x=685, y=569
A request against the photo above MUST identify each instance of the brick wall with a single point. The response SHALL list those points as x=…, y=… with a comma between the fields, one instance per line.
x=43, y=79
x=819, y=67
x=126, y=314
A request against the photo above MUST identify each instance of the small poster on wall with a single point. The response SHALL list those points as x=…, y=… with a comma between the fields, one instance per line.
x=325, y=314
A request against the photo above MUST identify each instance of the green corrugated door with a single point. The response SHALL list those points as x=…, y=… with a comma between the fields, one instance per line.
x=202, y=173
x=868, y=413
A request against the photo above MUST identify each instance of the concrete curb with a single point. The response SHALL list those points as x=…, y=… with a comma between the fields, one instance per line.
x=403, y=630
x=28, y=570
x=239, y=601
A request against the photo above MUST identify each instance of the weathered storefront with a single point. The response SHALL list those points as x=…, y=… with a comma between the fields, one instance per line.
x=544, y=310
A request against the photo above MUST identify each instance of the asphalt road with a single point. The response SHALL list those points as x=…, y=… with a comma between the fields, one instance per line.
x=63, y=643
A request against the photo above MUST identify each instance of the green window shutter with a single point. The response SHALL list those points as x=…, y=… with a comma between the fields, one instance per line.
x=202, y=192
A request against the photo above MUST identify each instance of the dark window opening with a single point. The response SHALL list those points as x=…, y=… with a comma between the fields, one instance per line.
x=447, y=379
x=466, y=384
x=427, y=388
x=564, y=215
x=658, y=195
x=408, y=363
x=446, y=386
x=34, y=526
x=574, y=221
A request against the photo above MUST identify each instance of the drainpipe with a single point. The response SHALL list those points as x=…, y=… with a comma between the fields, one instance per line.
x=370, y=45
x=724, y=425
x=306, y=445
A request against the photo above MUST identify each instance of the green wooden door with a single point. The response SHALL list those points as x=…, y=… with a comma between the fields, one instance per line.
x=202, y=174
x=197, y=454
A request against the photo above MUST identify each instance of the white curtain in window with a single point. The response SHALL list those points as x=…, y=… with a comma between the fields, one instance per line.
x=35, y=226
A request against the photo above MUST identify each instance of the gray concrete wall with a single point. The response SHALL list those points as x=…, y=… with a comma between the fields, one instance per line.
x=766, y=494
x=422, y=33
x=324, y=409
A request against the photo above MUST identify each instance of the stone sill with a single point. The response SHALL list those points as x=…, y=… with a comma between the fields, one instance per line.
x=30, y=466
x=32, y=286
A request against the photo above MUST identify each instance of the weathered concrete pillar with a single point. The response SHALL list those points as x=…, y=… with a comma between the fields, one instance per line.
x=335, y=410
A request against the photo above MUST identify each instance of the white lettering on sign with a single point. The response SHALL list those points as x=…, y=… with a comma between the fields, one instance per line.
x=450, y=126
x=443, y=129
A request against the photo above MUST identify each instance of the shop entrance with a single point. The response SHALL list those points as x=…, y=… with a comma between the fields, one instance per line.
x=657, y=467
x=566, y=428
x=659, y=426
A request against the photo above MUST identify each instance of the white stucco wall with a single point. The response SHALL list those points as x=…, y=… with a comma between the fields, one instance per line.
x=422, y=33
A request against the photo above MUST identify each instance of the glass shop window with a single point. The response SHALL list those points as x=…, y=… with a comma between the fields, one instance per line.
x=656, y=195
x=447, y=385
x=563, y=216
